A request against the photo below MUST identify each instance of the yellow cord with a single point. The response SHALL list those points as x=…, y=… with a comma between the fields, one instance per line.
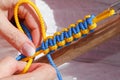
x=27, y=66
x=42, y=28
x=103, y=15
x=42, y=25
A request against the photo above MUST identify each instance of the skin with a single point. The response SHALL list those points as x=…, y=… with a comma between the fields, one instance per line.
x=15, y=37
x=9, y=67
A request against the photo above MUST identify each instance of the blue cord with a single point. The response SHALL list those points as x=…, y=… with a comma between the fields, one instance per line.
x=27, y=32
x=58, y=38
x=53, y=64
x=19, y=57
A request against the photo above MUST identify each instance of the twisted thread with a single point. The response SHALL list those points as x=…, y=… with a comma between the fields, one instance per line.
x=60, y=39
x=64, y=38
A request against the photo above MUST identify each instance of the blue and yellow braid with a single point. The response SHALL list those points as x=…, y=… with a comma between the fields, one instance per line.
x=60, y=39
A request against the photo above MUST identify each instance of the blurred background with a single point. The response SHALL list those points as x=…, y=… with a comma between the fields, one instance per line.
x=100, y=63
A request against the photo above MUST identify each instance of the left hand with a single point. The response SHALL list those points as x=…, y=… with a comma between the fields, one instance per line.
x=15, y=37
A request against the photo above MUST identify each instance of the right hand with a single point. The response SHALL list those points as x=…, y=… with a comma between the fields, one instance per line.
x=9, y=68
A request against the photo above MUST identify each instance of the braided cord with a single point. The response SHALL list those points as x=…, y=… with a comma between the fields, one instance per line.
x=42, y=25
x=65, y=37
x=60, y=39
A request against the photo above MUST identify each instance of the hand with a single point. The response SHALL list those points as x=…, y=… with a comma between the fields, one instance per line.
x=15, y=37
x=9, y=68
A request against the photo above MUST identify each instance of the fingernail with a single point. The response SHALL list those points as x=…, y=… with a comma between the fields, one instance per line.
x=28, y=50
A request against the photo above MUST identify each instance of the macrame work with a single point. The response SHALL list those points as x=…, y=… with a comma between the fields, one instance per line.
x=60, y=39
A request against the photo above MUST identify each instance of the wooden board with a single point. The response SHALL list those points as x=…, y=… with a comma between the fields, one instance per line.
x=102, y=33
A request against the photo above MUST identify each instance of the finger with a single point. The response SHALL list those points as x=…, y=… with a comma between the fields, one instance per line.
x=46, y=70
x=26, y=13
x=42, y=72
x=8, y=66
x=16, y=38
x=32, y=22
x=9, y=5
x=6, y=4
x=34, y=66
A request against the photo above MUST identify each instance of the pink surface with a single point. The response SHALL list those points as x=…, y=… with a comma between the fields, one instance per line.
x=90, y=71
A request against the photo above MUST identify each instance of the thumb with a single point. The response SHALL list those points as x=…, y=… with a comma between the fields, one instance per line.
x=16, y=38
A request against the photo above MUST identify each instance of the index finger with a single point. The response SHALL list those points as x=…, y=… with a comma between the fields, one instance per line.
x=34, y=21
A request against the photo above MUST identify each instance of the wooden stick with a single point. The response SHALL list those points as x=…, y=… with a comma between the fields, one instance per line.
x=102, y=33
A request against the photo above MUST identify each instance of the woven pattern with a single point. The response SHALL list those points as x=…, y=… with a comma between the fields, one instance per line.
x=68, y=35
x=64, y=38
x=60, y=39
